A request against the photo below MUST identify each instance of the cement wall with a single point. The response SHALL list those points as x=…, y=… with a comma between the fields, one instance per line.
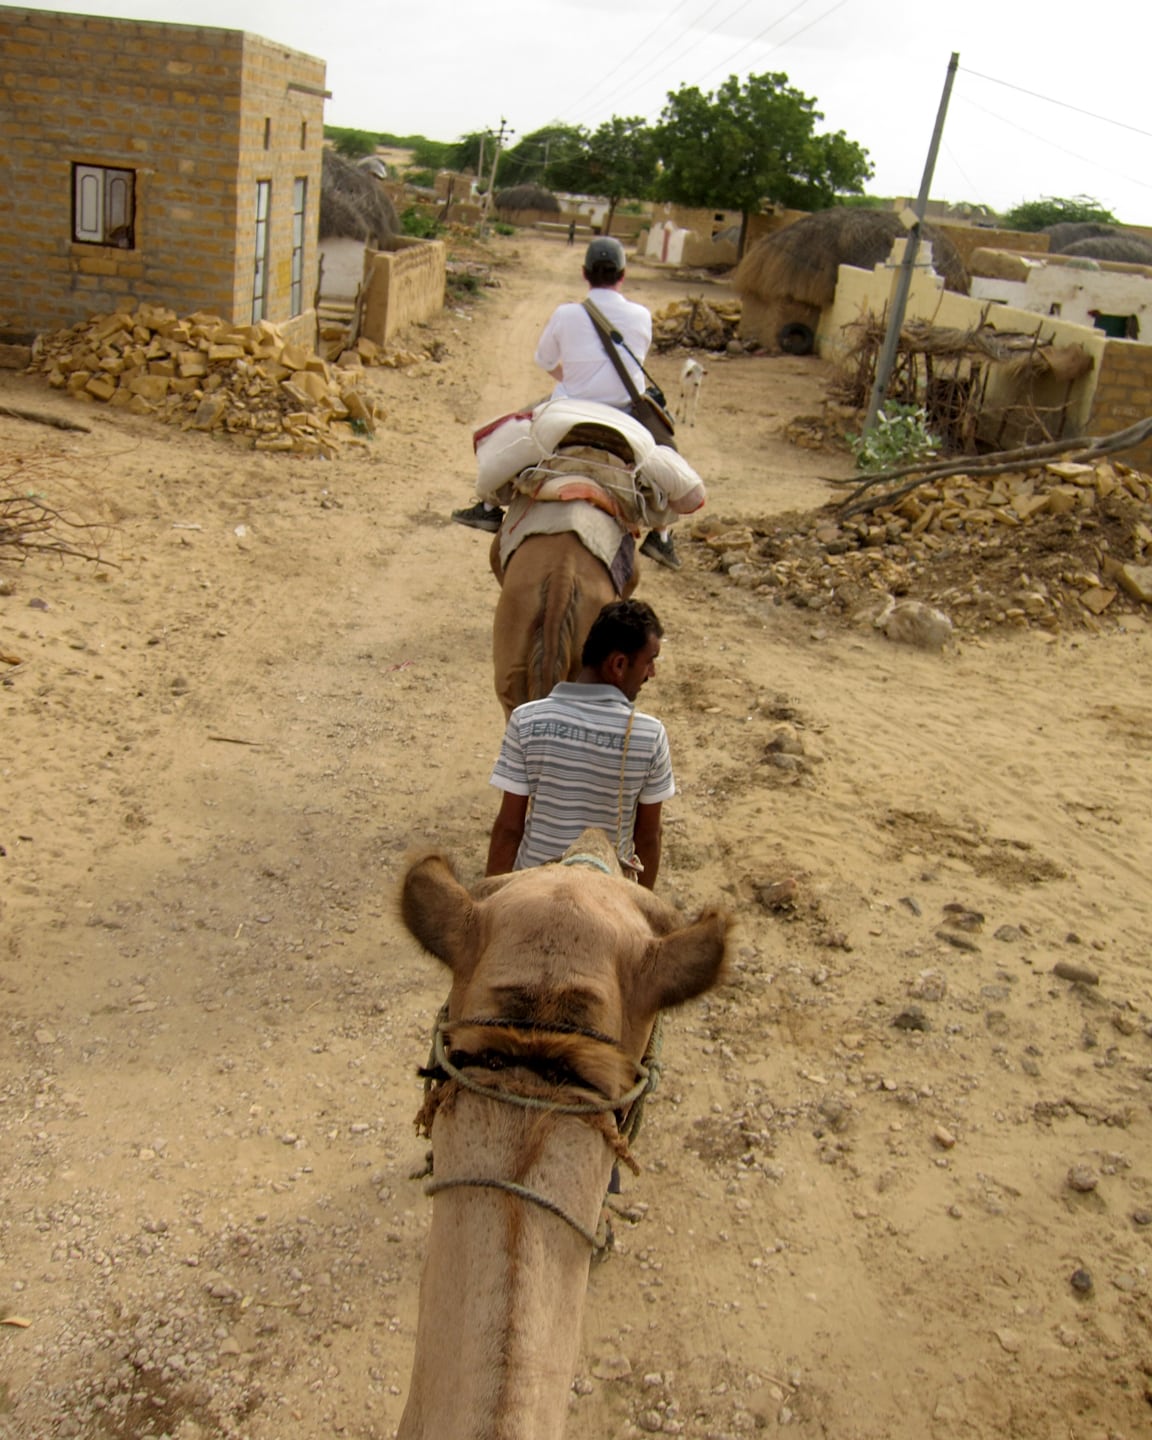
x=1073, y=293
x=402, y=286
x=188, y=111
x=343, y=270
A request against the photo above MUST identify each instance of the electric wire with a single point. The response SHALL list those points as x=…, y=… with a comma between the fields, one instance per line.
x=628, y=60
x=781, y=44
x=1064, y=105
x=1044, y=140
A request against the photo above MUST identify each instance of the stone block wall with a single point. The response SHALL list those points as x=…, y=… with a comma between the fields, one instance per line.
x=1123, y=395
x=402, y=286
x=184, y=108
x=281, y=135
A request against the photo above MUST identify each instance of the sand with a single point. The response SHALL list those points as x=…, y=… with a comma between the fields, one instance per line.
x=855, y=1218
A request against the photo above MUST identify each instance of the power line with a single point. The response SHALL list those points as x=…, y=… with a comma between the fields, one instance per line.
x=1043, y=139
x=687, y=41
x=773, y=48
x=660, y=25
x=1064, y=105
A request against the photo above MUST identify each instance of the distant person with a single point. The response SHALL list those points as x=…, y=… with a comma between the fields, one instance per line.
x=571, y=351
x=585, y=756
x=571, y=232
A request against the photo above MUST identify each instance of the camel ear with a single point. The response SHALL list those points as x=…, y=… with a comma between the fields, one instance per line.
x=438, y=911
x=685, y=963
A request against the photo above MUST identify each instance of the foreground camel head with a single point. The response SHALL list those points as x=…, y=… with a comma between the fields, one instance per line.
x=566, y=944
x=557, y=977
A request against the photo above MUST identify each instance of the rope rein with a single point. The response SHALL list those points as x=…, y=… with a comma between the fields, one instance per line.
x=602, y=1113
x=595, y=1238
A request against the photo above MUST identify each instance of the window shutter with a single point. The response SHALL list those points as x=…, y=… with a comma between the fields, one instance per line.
x=89, y=203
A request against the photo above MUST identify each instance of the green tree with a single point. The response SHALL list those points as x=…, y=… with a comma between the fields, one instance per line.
x=542, y=156
x=618, y=162
x=1051, y=210
x=750, y=142
x=352, y=144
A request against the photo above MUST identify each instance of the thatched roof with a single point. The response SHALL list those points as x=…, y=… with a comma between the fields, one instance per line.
x=1067, y=232
x=353, y=205
x=526, y=197
x=1130, y=249
x=800, y=262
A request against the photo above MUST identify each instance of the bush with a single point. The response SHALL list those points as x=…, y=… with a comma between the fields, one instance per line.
x=900, y=437
x=1033, y=215
x=501, y=227
x=418, y=222
x=352, y=144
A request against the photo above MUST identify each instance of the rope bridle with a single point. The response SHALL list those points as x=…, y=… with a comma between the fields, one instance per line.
x=625, y=1111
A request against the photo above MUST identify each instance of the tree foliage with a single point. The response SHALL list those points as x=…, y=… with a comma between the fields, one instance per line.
x=752, y=141
x=352, y=144
x=618, y=162
x=1052, y=209
x=542, y=158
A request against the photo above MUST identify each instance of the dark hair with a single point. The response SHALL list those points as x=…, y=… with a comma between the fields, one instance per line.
x=623, y=627
x=603, y=260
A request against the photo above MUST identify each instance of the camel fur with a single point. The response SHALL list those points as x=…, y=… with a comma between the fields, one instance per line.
x=550, y=593
x=503, y=1287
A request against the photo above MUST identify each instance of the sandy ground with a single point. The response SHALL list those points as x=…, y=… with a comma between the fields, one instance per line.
x=855, y=1218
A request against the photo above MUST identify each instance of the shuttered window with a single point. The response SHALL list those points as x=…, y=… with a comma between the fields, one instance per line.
x=104, y=206
x=299, y=212
x=260, y=272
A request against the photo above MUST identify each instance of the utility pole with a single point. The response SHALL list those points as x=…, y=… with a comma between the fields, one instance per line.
x=903, y=282
x=498, y=140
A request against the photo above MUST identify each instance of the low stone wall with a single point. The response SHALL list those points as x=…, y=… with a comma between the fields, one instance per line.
x=402, y=286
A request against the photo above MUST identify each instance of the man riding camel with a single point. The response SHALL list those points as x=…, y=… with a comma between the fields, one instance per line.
x=571, y=351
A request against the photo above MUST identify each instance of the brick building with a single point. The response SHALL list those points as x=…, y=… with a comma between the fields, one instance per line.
x=171, y=164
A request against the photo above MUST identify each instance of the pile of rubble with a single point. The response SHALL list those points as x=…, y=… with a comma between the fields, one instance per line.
x=697, y=324
x=1053, y=547
x=202, y=373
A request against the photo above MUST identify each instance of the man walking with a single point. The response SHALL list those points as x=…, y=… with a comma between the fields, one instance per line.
x=585, y=756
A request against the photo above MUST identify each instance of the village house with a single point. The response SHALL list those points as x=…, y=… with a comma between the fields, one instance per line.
x=149, y=163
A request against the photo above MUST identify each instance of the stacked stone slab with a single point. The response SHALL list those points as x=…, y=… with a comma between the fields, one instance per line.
x=202, y=373
x=1056, y=546
x=696, y=324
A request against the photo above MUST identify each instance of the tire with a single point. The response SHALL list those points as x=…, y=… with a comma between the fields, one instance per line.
x=796, y=339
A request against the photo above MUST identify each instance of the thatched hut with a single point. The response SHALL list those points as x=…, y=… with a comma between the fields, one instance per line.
x=355, y=215
x=1125, y=249
x=788, y=279
x=353, y=204
x=1067, y=232
x=525, y=200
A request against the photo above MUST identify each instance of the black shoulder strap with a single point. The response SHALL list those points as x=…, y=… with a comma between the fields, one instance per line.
x=604, y=329
x=610, y=339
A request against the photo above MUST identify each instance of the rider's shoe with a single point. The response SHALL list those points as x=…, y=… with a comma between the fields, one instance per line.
x=662, y=551
x=480, y=517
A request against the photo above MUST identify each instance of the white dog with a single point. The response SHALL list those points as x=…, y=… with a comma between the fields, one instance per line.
x=691, y=379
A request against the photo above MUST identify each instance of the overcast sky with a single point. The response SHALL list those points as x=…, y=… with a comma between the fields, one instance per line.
x=443, y=67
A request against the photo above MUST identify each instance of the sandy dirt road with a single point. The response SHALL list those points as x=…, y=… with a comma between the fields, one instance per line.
x=855, y=1218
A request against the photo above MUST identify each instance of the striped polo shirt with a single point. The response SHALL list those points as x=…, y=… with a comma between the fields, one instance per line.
x=567, y=752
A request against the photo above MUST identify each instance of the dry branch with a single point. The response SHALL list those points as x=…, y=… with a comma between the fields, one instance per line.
x=1085, y=449
x=40, y=417
x=28, y=526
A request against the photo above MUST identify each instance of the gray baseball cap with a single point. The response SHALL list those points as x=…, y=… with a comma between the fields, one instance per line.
x=604, y=258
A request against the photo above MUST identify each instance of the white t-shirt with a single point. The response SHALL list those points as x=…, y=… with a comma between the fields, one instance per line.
x=571, y=340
